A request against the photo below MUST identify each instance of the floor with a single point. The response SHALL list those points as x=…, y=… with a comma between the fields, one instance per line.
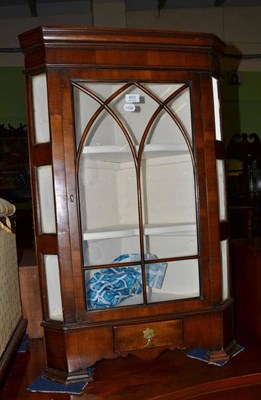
x=172, y=376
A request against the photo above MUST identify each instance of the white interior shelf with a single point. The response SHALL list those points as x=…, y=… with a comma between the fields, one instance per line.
x=184, y=229
x=158, y=297
x=116, y=153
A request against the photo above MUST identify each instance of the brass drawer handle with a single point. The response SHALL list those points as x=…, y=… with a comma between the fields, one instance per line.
x=148, y=334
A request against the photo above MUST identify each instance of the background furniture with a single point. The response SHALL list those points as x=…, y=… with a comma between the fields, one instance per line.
x=12, y=325
x=173, y=376
x=246, y=256
x=127, y=165
x=15, y=179
x=30, y=293
x=244, y=185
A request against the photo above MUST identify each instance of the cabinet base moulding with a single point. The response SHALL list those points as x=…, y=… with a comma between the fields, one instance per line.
x=224, y=355
x=82, y=375
x=71, y=349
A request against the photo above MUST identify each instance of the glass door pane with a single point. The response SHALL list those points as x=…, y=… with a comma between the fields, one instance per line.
x=108, y=197
x=107, y=184
x=137, y=192
x=175, y=280
x=169, y=197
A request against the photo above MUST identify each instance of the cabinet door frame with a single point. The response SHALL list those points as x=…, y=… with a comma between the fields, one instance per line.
x=159, y=76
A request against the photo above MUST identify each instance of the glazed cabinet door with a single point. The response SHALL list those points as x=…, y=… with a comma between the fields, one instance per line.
x=138, y=190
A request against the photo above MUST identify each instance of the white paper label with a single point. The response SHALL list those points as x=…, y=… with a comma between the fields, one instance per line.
x=132, y=98
x=129, y=107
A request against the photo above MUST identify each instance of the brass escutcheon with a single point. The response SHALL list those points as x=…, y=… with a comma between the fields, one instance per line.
x=148, y=334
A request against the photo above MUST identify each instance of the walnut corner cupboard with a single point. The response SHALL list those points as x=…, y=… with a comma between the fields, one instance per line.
x=128, y=185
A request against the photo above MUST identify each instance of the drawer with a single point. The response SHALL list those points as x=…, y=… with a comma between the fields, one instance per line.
x=150, y=334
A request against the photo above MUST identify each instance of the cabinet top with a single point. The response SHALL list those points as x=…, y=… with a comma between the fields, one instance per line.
x=44, y=39
x=116, y=36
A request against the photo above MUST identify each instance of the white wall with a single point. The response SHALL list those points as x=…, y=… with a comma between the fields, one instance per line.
x=239, y=27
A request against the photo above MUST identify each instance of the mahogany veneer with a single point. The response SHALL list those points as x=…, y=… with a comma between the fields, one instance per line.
x=78, y=337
